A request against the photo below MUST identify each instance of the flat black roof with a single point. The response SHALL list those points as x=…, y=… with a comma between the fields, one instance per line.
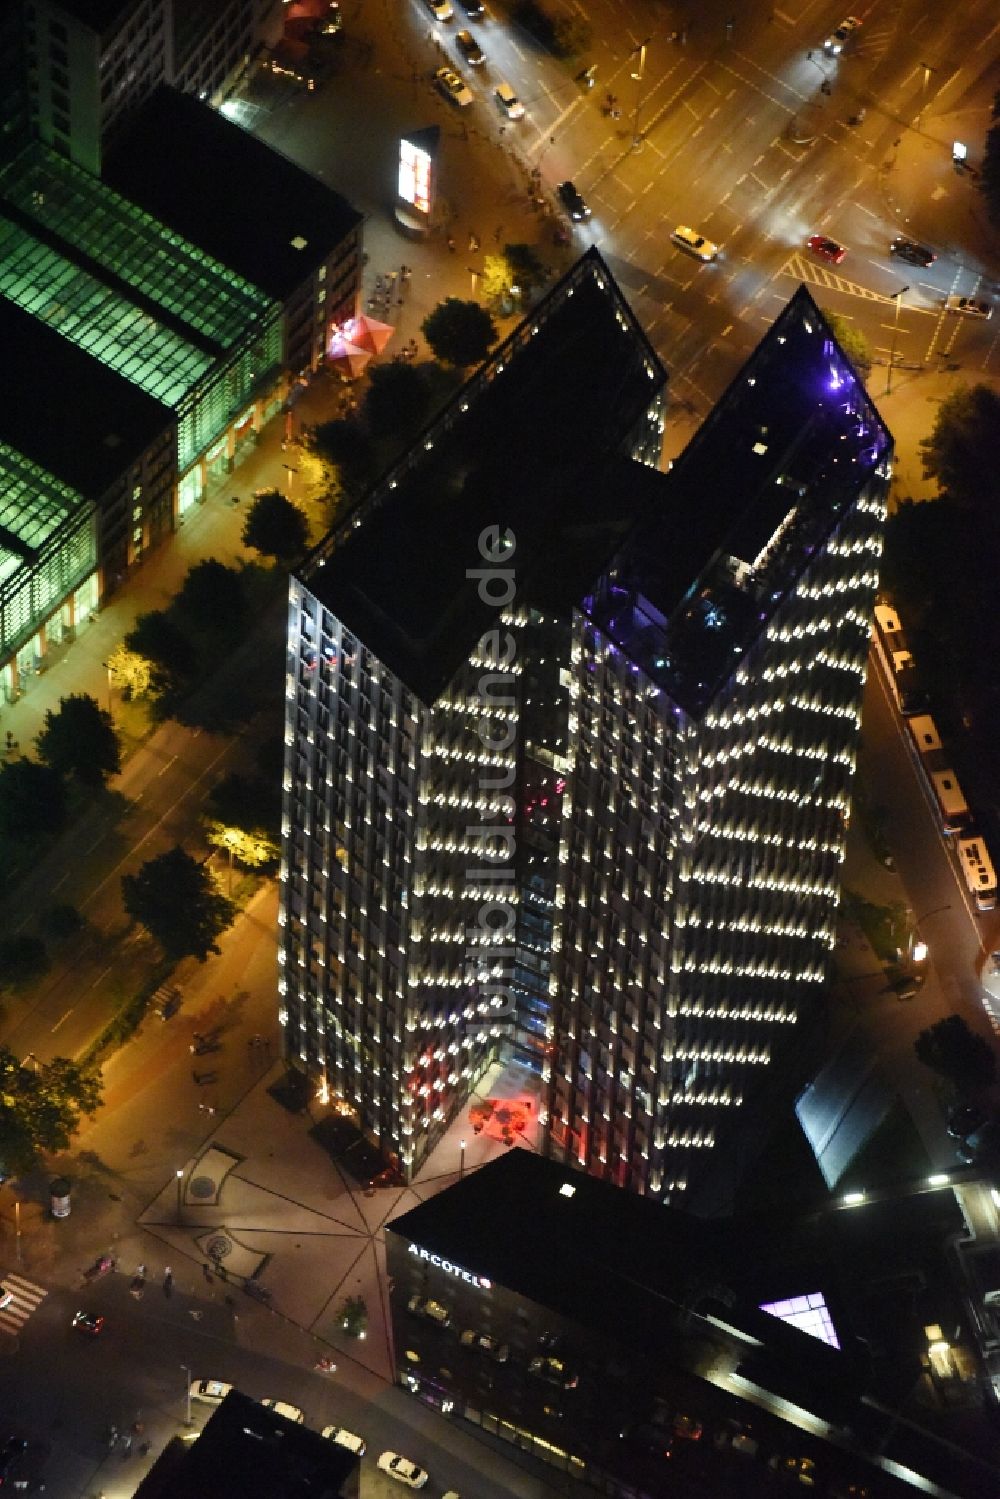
x=67, y=411
x=247, y=1452
x=274, y=223
x=100, y=15
x=535, y=443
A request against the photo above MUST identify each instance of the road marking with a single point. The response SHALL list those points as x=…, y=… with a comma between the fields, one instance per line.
x=166, y=767
x=60, y=1021
x=27, y=1298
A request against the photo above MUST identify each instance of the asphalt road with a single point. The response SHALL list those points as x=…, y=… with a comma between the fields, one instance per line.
x=63, y=1391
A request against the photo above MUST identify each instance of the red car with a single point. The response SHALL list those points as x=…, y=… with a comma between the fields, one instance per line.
x=89, y=1323
x=826, y=249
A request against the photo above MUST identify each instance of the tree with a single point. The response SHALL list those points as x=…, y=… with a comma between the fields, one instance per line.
x=165, y=646
x=963, y=450
x=130, y=672
x=41, y=1108
x=459, y=333
x=353, y=1316
x=176, y=900
x=250, y=803
x=562, y=34
x=213, y=595
x=397, y=402
x=253, y=849
x=989, y=174
x=852, y=343
x=346, y=446
x=22, y=960
x=952, y=1049
x=275, y=527
x=62, y=921
x=80, y=740
x=528, y=271
x=927, y=550
x=32, y=798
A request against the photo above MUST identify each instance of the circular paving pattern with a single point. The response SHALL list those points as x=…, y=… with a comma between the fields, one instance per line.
x=218, y=1247
x=202, y=1186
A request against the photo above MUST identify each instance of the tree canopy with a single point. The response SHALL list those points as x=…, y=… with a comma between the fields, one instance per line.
x=129, y=671
x=41, y=1108
x=32, y=798
x=275, y=527
x=250, y=803
x=989, y=173
x=213, y=596
x=956, y=1052
x=346, y=446
x=963, y=450
x=23, y=958
x=853, y=343
x=397, y=401
x=176, y=899
x=165, y=646
x=80, y=740
x=459, y=333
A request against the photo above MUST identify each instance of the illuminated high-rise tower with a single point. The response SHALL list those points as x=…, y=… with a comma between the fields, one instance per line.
x=569, y=741
x=715, y=706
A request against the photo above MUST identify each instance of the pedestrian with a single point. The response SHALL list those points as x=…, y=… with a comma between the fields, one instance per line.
x=451, y=244
x=206, y=1272
x=498, y=233
x=824, y=87
x=10, y=739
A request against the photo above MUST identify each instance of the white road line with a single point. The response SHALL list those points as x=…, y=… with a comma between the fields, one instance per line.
x=60, y=1021
x=166, y=767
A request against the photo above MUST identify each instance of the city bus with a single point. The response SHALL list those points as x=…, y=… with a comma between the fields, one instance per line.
x=896, y=660
x=977, y=871
x=953, y=809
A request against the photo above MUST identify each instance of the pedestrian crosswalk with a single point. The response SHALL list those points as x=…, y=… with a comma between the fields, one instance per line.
x=25, y=1298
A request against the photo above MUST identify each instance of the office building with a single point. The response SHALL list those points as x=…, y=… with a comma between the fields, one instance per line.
x=717, y=675
x=647, y=1352
x=395, y=994
x=89, y=64
x=245, y=1451
x=570, y=741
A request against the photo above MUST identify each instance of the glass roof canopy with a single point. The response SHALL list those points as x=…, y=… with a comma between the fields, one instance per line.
x=34, y=507
x=127, y=290
x=147, y=257
x=95, y=318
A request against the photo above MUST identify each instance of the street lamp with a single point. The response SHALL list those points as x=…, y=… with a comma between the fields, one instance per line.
x=919, y=951
x=461, y=1159
x=187, y=1393
x=290, y=470
x=180, y=1177
x=107, y=668
x=638, y=73
x=896, y=297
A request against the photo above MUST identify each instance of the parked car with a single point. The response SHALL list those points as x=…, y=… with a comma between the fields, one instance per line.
x=282, y=1408
x=454, y=88
x=969, y=306
x=6, y=1297
x=474, y=9
x=508, y=101
x=344, y=1438
x=440, y=9
x=572, y=201
x=838, y=40
x=801, y=1468
x=89, y=1323
x=826, y=248
x=911, y=252
x=469, y=48
x=211, y=1391
x=402, y=1470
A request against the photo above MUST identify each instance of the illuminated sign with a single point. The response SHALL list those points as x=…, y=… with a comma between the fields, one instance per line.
x=456, y=1270
x=415, y=176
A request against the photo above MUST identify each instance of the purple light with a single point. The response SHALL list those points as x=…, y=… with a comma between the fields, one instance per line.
x=808, y=1313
